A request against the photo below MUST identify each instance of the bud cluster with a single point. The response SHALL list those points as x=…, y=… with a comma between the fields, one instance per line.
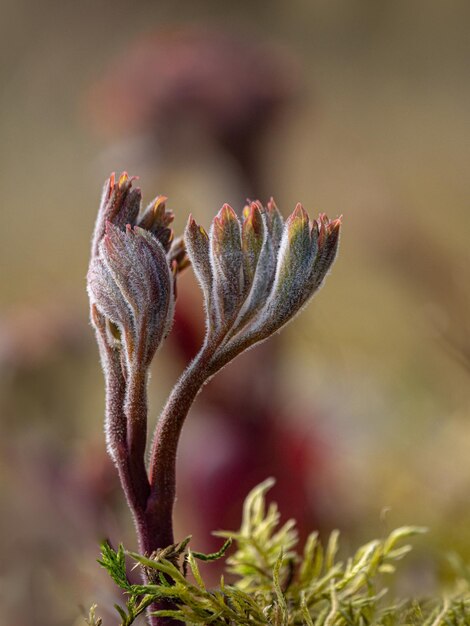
x=130, y=281
x=258, y=272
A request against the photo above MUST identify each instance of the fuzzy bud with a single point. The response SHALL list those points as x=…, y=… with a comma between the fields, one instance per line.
x=197, y=245
x=262, y=271
x=130, y=280
x=120, y=205
x=253, y=235
x=156, y=219
x=226, y=257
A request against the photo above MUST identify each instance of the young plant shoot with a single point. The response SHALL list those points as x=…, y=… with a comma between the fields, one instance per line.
x=256, y=273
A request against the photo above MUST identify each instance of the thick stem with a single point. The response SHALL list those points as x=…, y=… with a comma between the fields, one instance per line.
x=124, y=431
x=116, y=432
x=162, y=470
x=116, y=424
x=159, y=512
x=136, y=414
x=126, y=426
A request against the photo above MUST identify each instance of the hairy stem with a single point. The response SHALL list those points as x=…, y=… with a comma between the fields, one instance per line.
x=159, y=511
x=136, y=414
x=162, y=470
x=116, y=427
x=126, y=430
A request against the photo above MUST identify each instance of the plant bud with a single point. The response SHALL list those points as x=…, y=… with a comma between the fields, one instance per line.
x=197, y=245
x=129, y=280
x=306, y=253
x=266, y=266
x=297, y=252
x=253, y=235
x=120, y=205
x=156, y=219
x=226, y=258
x=257, y=275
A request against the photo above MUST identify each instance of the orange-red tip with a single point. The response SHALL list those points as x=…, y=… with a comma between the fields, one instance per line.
x=299, y=212
x=124, y=179
x=111, y=183
x=159, y=201
x=226, y=213
x=336, y=223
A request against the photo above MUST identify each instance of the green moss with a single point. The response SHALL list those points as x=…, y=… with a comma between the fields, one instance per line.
x=276, y=585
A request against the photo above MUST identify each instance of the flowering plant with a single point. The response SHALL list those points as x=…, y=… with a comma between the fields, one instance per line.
x=256, y=273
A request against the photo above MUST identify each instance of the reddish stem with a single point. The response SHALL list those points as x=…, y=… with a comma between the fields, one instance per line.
x=136, y=413
x=162, y=470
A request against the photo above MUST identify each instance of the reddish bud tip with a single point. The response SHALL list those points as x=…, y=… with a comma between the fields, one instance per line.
x=159, y=204
x=227, y=213
x=252, y=218
x=298, y=214
x=336, y=224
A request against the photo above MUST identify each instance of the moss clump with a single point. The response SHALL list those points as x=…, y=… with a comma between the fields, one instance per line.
x=275, y=585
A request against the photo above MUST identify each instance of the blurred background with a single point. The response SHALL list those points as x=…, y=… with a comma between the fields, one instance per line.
x=361, y=408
